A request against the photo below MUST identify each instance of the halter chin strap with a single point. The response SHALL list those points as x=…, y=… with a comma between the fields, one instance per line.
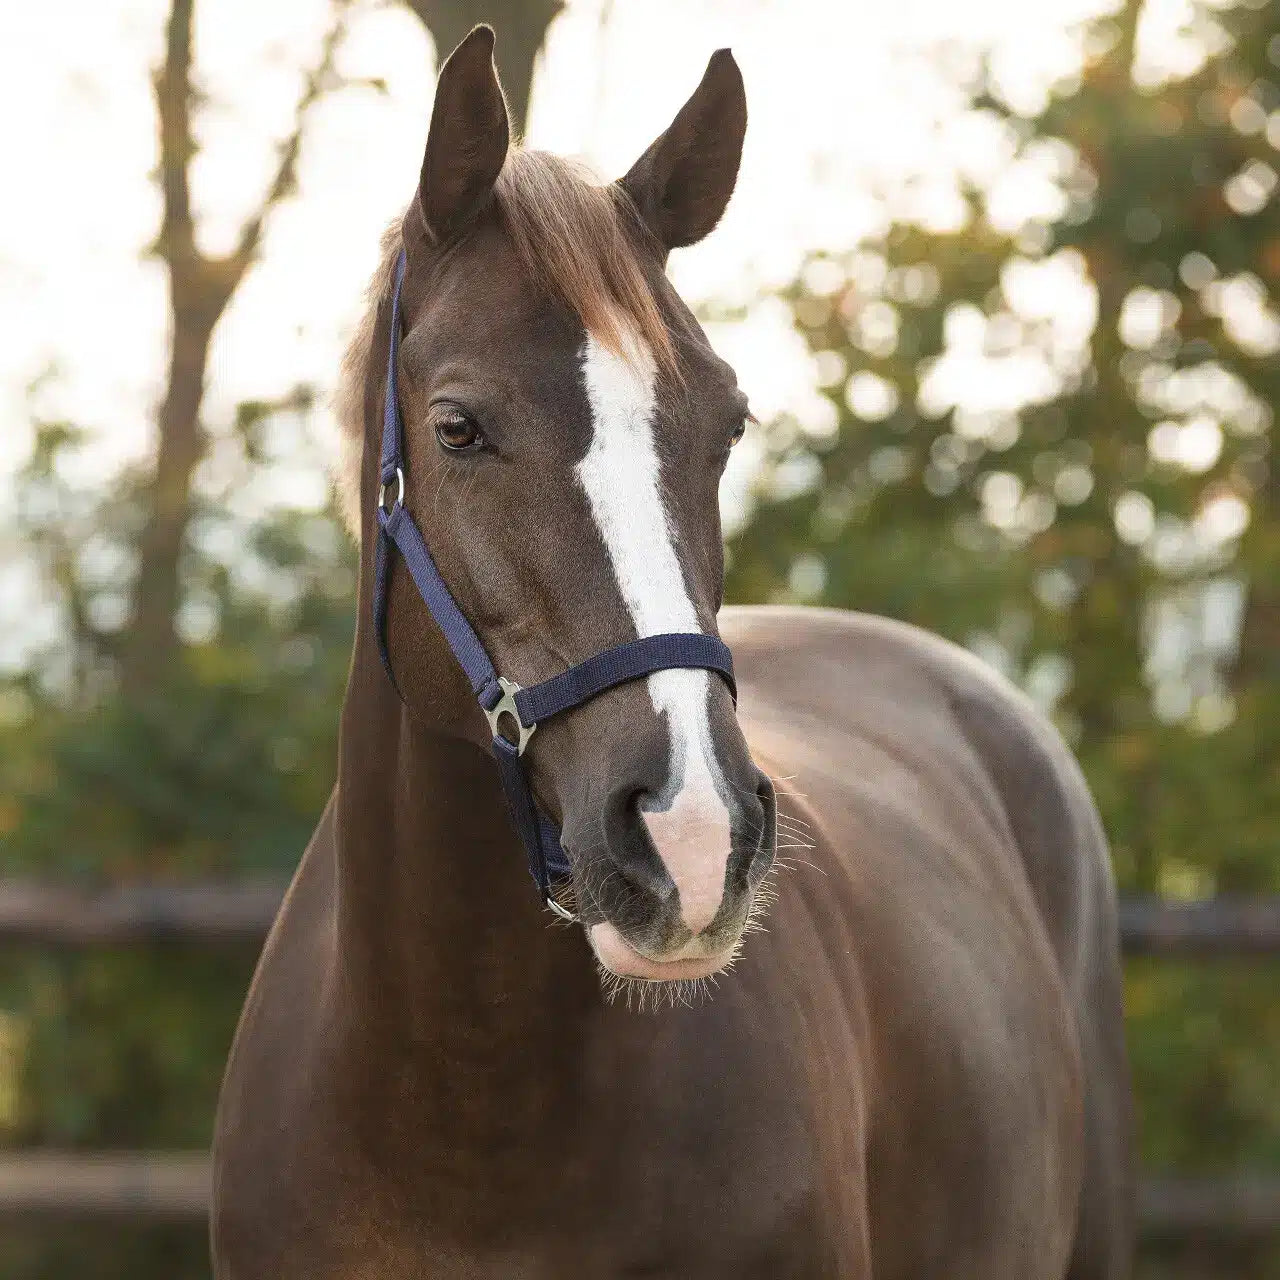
x=502, y=700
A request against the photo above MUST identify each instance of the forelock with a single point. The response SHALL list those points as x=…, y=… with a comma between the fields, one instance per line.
x=578, y=240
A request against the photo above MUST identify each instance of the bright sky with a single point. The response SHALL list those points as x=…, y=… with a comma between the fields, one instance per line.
x=848, y=98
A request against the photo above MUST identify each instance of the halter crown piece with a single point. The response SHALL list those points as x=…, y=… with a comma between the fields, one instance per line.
x=499, y=697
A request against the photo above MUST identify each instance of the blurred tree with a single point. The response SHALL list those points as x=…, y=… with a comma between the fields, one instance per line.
x=200, y=287
x=220, y=772
x=1179, y=235
x=1087, y=502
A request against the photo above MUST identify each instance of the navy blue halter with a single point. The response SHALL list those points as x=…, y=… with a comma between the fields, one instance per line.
x=500, y=698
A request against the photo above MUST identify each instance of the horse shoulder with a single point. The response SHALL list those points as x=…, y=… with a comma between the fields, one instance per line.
x=964, y=864
x=820, y=656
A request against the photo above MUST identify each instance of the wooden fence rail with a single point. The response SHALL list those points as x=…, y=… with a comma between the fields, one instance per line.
x=57, y=915
x=176, y=1186
x=141, y=1186
x=1216, y=927
x=60, y=915
x=159, y=1186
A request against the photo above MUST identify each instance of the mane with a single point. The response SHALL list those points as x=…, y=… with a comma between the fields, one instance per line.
x=574, y=238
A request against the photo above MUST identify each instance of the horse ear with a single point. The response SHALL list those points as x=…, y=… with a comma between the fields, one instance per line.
x=468, y=139
x=682, y=184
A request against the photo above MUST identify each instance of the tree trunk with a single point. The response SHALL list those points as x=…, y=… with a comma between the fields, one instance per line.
x=200, y=287
x=150, y=642
x=521, y=27
x=182, y=442
x=1258, y=661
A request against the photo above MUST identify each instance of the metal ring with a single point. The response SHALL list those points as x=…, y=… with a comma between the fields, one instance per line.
x=562, y=912
x=506, y=706
x=382, y=492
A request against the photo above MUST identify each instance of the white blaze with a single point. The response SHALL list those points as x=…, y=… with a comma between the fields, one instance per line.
x=620, y=474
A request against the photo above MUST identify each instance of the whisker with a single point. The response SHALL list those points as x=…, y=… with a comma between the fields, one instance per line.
x=794, y=817
x=790, y=829
x=643, y=996
x=790, y=820
x=443, y=474
x=793, y=864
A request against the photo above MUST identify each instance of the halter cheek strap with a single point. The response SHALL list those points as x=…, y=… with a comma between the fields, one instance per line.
x=500, y=698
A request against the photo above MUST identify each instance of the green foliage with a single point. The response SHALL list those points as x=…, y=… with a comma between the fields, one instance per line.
x=1202, y=1039
x=101, y=1251
x=150, y=1082
x=221, y=766
x=220, y=769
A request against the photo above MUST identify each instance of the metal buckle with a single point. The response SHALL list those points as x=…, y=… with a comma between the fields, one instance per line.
x=506, y=706
x=382, y=492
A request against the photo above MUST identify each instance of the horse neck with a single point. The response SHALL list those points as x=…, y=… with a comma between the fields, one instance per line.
x=460, y=1014
x=438, y=919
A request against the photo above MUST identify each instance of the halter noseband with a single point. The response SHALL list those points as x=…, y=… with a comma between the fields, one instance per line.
x=499, y=697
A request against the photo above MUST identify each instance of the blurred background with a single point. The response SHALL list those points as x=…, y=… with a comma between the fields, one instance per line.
x=1001, y=280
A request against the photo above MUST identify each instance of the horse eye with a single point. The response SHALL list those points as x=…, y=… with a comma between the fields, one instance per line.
x=456, y=432
x=741, y=429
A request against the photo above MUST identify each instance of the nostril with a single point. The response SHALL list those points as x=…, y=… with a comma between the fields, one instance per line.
x=637, y=873
x=766, y=837
x=626, y=806
x=762, y=815
x=764, y=793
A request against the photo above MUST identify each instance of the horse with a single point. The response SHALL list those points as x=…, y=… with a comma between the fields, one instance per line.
x=914, y=1064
